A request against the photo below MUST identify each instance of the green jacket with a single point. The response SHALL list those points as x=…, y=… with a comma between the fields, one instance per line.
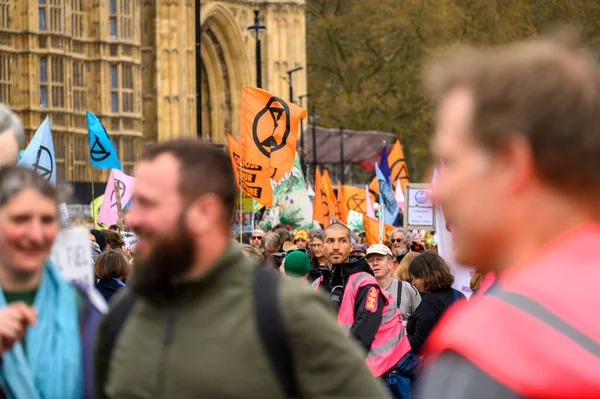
x=212, y=347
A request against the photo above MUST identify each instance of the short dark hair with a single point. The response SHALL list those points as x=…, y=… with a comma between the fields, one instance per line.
x=111, y=264
x=434, y=271
x=338, y=226
x=113, y=239
x=203, y=169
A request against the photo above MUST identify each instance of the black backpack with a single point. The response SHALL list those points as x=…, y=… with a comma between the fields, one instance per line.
x=271, y=329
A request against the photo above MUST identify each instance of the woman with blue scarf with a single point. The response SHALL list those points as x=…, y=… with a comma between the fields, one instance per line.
x=52, y=360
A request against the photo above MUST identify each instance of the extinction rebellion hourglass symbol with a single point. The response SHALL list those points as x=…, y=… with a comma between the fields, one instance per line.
x=44, y=171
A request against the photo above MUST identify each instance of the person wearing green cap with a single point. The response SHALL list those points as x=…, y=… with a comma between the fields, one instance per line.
x=296, y=264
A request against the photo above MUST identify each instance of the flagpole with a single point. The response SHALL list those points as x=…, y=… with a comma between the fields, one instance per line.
x=241, y=205
x=93, y=197
x=381, y=218
x=117, y=191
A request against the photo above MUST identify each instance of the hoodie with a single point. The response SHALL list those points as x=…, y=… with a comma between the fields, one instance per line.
x=366, y=322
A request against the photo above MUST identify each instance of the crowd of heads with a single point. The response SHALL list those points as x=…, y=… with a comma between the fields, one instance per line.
x=300, y=252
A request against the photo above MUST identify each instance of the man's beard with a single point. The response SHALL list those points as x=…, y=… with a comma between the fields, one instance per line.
x=170, y=258
x=400, y=251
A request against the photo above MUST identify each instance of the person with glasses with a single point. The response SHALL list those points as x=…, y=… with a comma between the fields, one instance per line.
x=256, y=239
x=318, y=263
x=401, y=240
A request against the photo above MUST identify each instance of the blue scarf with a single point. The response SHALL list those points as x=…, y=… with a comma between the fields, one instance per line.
x=52, y=366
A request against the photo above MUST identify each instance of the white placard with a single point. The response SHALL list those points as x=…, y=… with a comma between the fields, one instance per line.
x=64, y=215
x=420, y=216
x=420, y=212
x=130, y=240
x=72, y=254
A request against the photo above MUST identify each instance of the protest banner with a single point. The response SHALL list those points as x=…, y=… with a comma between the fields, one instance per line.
x=420, y=211
x=72, y=255
x=269, y=129
x=39, y=154
x=342, y=205
x=397, y=166
x=255, y=179
x=373, y=230
x=322, y=207
x=109, y=211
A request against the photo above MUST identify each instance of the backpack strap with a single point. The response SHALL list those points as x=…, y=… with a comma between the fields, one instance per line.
x=271, y=327
x=399, y=294
x=117, y=317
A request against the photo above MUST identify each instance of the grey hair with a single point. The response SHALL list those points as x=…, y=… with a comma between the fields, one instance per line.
x=406, y=236
x=14, y=179
x=8, y=120
x=271, y=241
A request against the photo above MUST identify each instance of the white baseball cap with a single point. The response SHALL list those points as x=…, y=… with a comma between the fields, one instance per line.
x=379, y=249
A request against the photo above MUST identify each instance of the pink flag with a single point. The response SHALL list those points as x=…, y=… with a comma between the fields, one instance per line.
x=399, y=195
x=108, y=211
x=370, y=210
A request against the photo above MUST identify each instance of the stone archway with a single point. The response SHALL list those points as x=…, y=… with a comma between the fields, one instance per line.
x=225, y=70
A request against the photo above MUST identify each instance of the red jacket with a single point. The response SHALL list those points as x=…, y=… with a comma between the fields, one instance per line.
x=537, y=331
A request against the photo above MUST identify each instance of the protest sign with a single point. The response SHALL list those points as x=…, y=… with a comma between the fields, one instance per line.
x=245, y=216
x=420, y=212
x=71, y=254
x=130, y=239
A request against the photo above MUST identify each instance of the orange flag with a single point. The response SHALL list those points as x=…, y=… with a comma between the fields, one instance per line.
x=328, y=187
x=321, y=205
x=342, y=204
x=398, y=168
x=356, y=199
x=269, y=129
x=372, y=230
x=256, y=179
x=277, y=174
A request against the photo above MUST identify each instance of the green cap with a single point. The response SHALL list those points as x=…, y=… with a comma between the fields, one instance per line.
x=296, y=264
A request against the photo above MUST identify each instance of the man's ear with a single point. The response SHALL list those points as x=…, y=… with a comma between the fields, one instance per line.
x=203, y=214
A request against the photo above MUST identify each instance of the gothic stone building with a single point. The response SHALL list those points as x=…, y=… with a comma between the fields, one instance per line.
x=133, y=64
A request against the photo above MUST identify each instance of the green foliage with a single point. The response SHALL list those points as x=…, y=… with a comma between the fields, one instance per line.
x=366, y=58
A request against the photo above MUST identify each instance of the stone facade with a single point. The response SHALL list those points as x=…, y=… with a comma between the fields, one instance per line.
x=229, y=57
x=132, y=63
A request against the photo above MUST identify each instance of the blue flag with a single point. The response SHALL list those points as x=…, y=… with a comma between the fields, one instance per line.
x=384, y=167
x=102, y=153
x=390, y=206
x=39, y=154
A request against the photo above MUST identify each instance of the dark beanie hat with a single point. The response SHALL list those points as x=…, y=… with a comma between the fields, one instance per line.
x=100, y=239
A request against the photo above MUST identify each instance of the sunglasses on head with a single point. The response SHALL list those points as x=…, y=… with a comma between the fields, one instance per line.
x=297, y=249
